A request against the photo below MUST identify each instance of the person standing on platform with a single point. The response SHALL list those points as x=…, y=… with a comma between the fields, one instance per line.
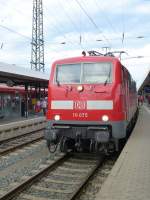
x=148, y=98
x=22, y=107
x=38, y=106
x=13, y=105
x=44, y=106
x=140, y=100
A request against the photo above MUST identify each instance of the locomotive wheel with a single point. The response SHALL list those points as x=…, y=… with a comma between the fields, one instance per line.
x=67, y=144
x=51, y=147
x=63, y=145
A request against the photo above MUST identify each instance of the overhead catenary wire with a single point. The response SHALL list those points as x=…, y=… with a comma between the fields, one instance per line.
x=58, y=30
x=123, y=24
x=92, y=21
x=67, y=15
x=53, y=27
x=15, y=32
x=21, y=13
x=5, y=4
x=71, y=21
x=83, y=34
x=99, y=5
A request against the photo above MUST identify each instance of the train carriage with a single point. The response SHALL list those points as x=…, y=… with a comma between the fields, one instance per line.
x=11, y=99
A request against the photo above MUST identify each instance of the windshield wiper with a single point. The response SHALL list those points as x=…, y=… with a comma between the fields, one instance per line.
x=58, y=83
x=108, y=77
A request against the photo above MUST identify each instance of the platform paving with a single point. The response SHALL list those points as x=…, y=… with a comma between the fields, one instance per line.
x=130, y=177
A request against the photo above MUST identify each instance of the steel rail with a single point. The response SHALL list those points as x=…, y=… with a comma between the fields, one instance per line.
x=18, y=146
x=19, y=136
x=88, y=176
x=27, y=183
x=94, y=162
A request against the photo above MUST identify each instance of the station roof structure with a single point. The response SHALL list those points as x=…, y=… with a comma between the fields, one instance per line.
x=146, y=83
x=13, y=75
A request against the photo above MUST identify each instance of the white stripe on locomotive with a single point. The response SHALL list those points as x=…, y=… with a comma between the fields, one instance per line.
x=67, y=105
x=91, y=105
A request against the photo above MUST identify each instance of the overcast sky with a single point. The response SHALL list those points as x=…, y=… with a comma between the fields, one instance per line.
x=81, y=25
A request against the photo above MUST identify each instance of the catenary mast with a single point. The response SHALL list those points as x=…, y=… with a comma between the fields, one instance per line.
x=37, y=53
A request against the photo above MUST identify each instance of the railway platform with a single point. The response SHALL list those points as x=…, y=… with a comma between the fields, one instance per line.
x=21, y=127
x=130, y=176
x=10, y=119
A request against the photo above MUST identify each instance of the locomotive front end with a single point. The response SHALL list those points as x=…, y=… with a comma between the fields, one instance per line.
x=81, y=105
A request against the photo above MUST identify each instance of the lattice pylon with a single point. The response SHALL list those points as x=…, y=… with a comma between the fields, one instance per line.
x=37, y=52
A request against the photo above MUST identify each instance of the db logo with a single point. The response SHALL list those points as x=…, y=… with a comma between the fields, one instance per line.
x=79, y=105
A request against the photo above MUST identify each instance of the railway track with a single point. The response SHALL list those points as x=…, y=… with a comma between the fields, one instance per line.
x=62, y=178
x=95, y=183
x=15, y=143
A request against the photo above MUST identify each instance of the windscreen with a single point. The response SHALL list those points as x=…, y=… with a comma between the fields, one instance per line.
x=84, y=73
x=68, y=73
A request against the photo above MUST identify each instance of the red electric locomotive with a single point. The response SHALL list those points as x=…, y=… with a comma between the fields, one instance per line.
x=92, y=100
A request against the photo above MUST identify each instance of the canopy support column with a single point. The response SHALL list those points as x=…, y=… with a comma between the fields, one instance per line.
x=26, y=101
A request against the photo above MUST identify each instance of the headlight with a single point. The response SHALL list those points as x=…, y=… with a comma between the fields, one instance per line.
x=80, y=88
x=57, y=117
x=105, y=118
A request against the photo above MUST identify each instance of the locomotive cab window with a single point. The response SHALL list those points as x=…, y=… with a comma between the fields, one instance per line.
x=97, y=73
x=84, y=73
x=69, y=73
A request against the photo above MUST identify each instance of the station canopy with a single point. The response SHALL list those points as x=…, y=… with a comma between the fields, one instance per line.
x=13, y=75
x=146, y=84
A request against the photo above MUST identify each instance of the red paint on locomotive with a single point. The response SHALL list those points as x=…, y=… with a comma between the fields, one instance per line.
x=89, y=104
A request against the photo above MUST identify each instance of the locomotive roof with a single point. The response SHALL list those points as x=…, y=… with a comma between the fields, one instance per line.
x=87, y=59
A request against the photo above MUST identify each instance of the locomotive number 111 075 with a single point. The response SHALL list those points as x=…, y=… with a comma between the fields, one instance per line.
x=82, y=115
